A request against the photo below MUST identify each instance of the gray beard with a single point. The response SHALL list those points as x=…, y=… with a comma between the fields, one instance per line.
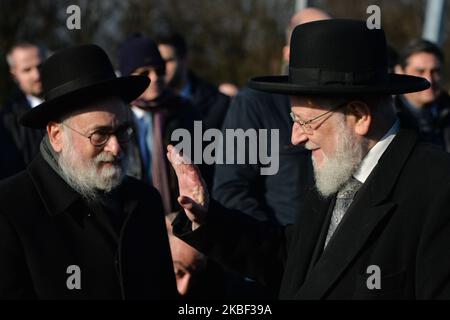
x=86, y=178
x=338, y=169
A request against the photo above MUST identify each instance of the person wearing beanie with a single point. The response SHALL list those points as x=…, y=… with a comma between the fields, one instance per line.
x=156, y=112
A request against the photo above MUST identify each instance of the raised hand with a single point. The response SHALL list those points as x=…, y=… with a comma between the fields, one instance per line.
x=194, y=197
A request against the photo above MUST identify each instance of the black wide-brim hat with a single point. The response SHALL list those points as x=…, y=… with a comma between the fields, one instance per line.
x=74, y=77
x=338, y=56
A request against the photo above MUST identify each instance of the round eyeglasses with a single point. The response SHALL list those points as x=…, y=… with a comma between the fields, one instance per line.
x=100, y=137
x=306, y=125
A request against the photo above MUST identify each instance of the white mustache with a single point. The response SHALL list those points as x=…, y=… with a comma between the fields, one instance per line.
x=107, y=157
x=311, y=146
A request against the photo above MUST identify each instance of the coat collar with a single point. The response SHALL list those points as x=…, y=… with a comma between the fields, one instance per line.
x=57, y=196
x=55, y=193
x=369, y=208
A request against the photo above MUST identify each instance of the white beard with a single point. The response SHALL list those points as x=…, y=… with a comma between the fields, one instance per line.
x=336, y=170
x=85, y=176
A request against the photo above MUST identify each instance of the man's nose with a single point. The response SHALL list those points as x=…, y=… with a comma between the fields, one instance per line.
x=183, y=284
x=298, y=136
x=113, y=146
x=153, y=75
x=432, y=77
x=36, y=75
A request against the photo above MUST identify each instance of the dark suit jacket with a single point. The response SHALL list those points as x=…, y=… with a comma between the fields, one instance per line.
x=212, y=104
x=19, y=144
x=439, y=131
x=11, y=161
x=45, y=227
x=399, y=222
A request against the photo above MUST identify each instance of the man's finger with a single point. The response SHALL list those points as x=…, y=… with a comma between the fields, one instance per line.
x=174, y=156
x=185, y=202
x=196, y=210
x=181, y=164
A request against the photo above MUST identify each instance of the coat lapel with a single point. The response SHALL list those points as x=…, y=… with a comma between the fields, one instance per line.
x=302, y=238
x=318, y=250
x=57, y=196
x=341, y=251
x=369, y=208
x=129, y=204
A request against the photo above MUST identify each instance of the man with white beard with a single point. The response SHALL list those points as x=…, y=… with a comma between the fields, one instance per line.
x=72, y=225
x=100, y=174
x=376, y=225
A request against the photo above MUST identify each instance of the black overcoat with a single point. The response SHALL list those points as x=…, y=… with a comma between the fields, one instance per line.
x=393, y=243
x=46, y=227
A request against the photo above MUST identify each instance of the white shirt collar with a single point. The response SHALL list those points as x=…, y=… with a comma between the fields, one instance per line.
x=371, y=159
x=138, y=112
x=34, y=101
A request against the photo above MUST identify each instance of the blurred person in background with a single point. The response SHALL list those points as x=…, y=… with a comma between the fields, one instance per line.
x=428, y=111
x=21, y=144
x=158, y=111
x=188, y=264
x=212, y=104
x=229, y=89
x=200, y=278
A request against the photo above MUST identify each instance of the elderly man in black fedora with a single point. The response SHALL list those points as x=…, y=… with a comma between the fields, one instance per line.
x=376, y=224
x=73, y=226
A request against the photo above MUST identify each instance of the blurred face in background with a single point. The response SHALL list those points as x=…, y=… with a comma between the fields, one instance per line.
x=187, y=262
x=24, y=66
x=428, y=66
x=156, y=76
x=175, y=67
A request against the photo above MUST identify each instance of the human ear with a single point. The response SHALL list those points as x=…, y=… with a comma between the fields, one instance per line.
x=362, y=117
x=55, y=135
x=286, y=53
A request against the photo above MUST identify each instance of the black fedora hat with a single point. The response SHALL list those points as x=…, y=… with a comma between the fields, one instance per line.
x=338, y=56
x=73, y=77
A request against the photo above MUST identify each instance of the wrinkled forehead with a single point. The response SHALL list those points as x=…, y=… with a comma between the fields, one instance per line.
x=104, y=112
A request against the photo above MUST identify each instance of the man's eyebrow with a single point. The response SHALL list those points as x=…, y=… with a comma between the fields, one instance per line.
x=109, y=128
x=298, y=116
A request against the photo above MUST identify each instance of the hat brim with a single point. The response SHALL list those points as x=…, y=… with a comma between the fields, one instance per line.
x=396, y=84
x=125, y=88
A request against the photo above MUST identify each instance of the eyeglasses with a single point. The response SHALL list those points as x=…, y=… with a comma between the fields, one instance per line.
x=100, y=137
x=306, y=125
